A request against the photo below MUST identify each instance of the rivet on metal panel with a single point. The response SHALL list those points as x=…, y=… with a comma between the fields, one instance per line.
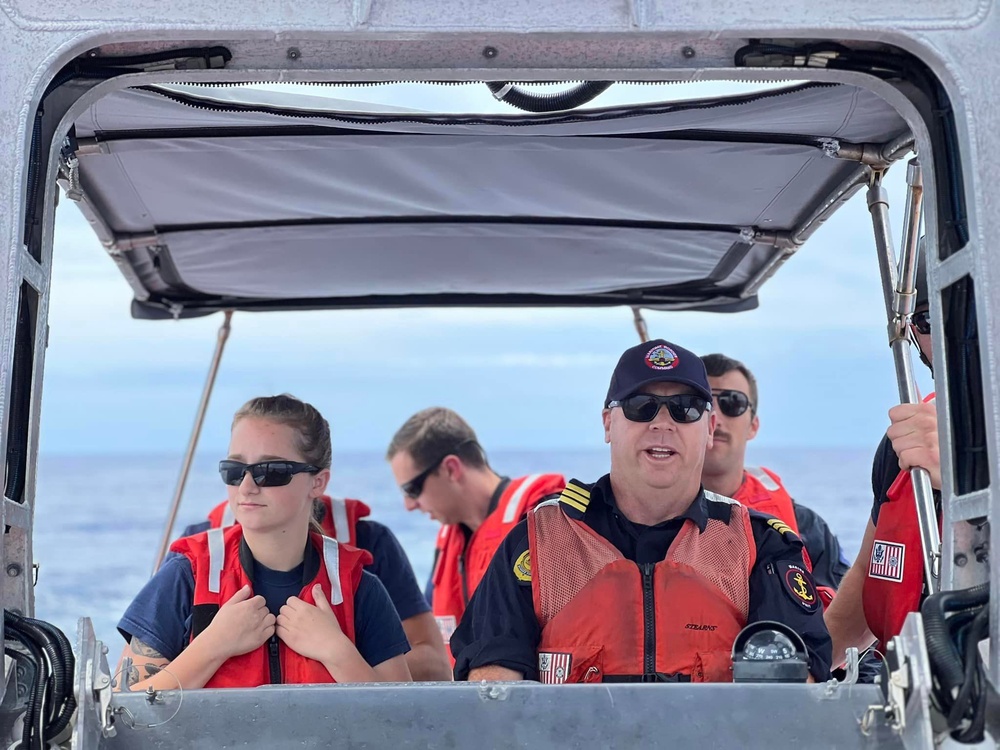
x=13, y=570
x=492, y=692
x=961, y=560
x=490, y=52
x=294, y=53
x=688, y=52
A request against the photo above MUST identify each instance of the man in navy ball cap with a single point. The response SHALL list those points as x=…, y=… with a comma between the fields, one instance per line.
x=641, y=576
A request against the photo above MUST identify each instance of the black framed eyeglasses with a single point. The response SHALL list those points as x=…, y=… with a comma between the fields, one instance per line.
x=265, y=473
x=732, y=403
x=682, y=407
x=921, y=321
x=415, y=486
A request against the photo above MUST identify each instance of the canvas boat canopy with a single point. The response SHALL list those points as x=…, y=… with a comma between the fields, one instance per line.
x=211, y=199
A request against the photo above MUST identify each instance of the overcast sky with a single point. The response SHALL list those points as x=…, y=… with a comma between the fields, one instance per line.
x=523, y=378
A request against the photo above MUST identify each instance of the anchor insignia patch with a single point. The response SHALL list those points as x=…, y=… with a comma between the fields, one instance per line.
x=799, y=586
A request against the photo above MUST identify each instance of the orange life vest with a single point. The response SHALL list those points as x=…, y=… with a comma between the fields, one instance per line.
x=605, y=618
x=219, y=573
x=340, y=517
x=461, y=563
x=894, y=580
x=763, y=491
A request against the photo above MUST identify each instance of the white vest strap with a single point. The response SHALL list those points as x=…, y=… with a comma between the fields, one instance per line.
x=514, y=502
x=228, y=518
x=765, y=479
x=340, y=523
x=216, y=559
x=331, y=558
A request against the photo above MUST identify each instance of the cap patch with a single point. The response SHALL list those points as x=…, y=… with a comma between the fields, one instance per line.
x=522, y=567
x=799, y=586
x=661, y=357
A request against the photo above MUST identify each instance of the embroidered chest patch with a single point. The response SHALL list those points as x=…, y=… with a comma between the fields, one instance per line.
x=887, y=561
x=553, y=668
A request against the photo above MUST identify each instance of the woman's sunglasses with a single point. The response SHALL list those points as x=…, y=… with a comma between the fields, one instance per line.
x=265, y=473
x=732, y=403
x=922, y=321
x=643, y=407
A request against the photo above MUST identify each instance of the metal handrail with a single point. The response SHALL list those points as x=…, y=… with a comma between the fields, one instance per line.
x=899, y=291
x=206, y=395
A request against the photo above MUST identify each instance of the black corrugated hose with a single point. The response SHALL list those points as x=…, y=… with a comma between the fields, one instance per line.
x=51, y=702
x=532, y=102
x=959, y=688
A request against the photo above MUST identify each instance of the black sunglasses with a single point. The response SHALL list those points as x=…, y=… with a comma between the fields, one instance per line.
x=732, y=403
x=265, y=473
x=922, y=321
x=415, y=486
x=643, y=407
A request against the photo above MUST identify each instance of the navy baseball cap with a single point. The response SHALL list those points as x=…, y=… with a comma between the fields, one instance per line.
x=657, y=361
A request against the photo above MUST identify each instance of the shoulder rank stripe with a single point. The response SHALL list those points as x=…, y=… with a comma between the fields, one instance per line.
x=578, y=493
x=780, y=526
x=572, y=502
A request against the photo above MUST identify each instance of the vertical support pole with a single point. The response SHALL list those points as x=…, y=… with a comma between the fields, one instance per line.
x=898, y=290
x=206, y=395
x=640, y=324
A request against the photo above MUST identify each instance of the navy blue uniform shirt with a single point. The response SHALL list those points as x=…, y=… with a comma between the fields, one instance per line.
x=390, y=565
x=885, y=469
x=829, y=562
x=160, y=614
x=499, y=626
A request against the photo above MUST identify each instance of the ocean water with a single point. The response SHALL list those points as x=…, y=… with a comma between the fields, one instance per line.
x=99, y=519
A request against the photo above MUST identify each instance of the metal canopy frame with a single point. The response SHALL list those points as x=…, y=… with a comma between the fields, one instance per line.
x=481, y=40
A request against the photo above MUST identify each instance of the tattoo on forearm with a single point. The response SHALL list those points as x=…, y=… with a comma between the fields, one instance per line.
x=143, y=649
x=132, y=676
x=151, y=669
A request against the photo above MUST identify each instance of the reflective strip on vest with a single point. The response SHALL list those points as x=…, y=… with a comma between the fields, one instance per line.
x=228, y=518
x=510, y=512
x=764, y=478
x=331, y=558
x=340, y=522
x=216, y=559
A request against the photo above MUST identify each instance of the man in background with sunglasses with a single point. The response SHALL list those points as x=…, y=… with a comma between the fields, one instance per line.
x=442, y=470
x=642, y=576
x=886, y=581
x=734, y=390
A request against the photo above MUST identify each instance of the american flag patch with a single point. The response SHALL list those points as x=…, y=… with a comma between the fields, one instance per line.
x=553, y=668
x=887, y=561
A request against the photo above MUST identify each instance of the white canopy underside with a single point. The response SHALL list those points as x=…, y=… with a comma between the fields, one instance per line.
x=218, y=204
